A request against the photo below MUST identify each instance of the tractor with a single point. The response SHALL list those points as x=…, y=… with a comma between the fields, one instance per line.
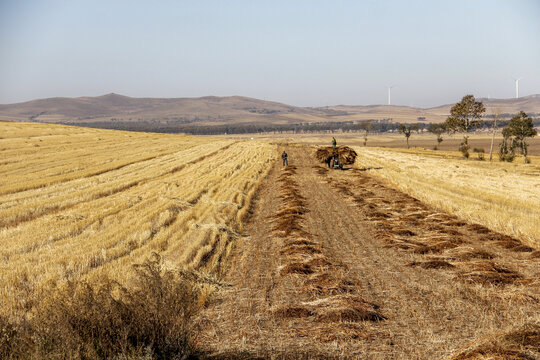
x=334, y=162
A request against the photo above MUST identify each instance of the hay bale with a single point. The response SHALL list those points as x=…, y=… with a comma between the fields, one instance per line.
x=344, y=152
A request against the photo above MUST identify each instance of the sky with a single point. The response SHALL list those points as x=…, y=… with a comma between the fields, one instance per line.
x=303, y=53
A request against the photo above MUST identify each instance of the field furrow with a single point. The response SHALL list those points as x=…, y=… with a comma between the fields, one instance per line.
x=503, y=197
x=186, y=204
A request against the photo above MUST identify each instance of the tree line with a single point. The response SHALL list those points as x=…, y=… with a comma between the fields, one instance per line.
x=466, y=116
x=365, y=127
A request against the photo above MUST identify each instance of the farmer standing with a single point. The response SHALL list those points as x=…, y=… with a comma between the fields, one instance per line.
x=334, y=142
x=284, y=158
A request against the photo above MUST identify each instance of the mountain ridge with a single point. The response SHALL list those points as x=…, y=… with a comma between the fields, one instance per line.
x=214, y=110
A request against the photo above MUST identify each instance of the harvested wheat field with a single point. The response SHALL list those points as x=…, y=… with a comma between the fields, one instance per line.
x=294, y=262
x=80, y=205
x=341, y=264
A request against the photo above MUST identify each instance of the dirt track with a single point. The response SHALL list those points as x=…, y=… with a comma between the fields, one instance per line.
x=337, y=264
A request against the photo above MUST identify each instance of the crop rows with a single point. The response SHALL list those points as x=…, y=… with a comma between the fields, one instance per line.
x=89, y=208
x=504, y=197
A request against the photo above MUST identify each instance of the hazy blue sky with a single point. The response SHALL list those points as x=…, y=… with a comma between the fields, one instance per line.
x=307, y=53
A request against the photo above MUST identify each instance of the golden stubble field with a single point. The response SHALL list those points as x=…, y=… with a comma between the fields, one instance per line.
x=79, y=203
x=502, y=196
x=400, y=256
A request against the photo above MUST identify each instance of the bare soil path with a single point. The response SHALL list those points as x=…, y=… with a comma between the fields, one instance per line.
x=336, y=264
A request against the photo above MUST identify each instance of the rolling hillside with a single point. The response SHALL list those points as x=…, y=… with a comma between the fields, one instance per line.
x=233, y=110
x=113, y=107
x=529, y=104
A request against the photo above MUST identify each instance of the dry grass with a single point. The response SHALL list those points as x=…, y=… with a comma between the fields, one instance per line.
x=518, y=344
x=503, y=197
x=101, y=320
x=311, y=275
x=324, y=280
x=82, y=205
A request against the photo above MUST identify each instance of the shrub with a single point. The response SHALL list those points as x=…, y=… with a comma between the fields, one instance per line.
x=480, y=153
x=104, y=320
x=507, y=152
x=464, y=148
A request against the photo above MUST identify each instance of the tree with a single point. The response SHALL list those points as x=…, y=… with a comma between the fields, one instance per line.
x=465, y=116
x=437, y=129
x=366, y=126
x=506, y=150
x=406, y=130
x=496, y=116
x=520, y=127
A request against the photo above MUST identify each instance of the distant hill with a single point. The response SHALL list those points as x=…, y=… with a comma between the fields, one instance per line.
x=530, y=104
x=233, y=110
x=114, y=107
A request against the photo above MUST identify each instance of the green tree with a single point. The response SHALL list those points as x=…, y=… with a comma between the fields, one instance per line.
x=496, y=117
x=437, y=129
x=507, y=149
x=465, y=116
x=407, y=130
x=520, y=128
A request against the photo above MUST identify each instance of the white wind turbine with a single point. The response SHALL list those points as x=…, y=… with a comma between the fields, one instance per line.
x=517, y=86
x=389, y=93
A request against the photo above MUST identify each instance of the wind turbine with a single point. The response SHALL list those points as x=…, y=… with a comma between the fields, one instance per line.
x=517, y=86
x=389, y=92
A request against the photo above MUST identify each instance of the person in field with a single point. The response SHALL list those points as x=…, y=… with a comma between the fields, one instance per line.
x=334, y=142
x=284, y=158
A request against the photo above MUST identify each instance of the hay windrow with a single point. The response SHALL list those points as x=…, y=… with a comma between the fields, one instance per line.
x=436, y=247
x=514, y=245
x=470, y=253
x=402, y=222
x=345, y=332
x=487, y=272
x=319, y=261
x=323, y=279
x=432, y=264
x=297, y=268
x=520, y=344
x=293, y=311
x=299, y=242
x=345, y=308
x=480, y=229
x=293, y=249
x=325, y=284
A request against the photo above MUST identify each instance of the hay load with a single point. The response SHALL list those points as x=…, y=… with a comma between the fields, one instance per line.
x=345, y=153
